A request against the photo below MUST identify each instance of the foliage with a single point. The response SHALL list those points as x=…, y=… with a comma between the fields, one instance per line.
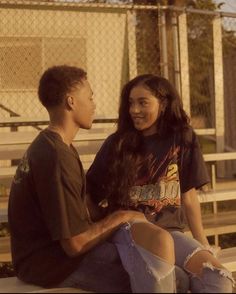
x=229, y=38
x=6, y=270
x=201, y=66
x=4, y=230
x=201, y=63
x=227, y=240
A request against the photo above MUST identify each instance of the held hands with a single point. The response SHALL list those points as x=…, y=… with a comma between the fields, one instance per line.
x=137, y=216
x=131, y=216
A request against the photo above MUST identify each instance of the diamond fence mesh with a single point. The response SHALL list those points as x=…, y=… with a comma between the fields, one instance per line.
x=107, y=43
x=201, y=69
x=35, y=39
x=114, y=43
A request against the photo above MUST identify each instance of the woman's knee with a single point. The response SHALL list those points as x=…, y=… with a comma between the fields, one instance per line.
x=154, y=239
x=195, y=262
x=208, y=274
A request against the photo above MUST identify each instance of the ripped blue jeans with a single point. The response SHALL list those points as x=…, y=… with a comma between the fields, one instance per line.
x=148, y=273
x=212, y=280
x=121, y=266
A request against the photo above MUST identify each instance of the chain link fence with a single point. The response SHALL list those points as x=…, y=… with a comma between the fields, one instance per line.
x=35, y=38
x=201, y=69
x=110, y=43
x=229, y=59
x=194, y=49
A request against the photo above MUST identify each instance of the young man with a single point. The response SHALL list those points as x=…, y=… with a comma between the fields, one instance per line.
x=53, y=240
x=51, y=232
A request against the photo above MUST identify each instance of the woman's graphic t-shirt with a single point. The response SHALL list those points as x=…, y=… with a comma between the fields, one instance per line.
x=167, y=169
x=157, y=185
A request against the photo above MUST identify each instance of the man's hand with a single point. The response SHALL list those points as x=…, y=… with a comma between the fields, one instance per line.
x=100, y=231
x=130, y=216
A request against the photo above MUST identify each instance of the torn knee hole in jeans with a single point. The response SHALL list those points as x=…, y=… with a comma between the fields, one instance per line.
x=208, y=265
x=202, y=248
x=155, y=265
x=193, y=253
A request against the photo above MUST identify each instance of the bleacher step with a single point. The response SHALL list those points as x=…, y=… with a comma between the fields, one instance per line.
x=228, y=258
x=14, y=285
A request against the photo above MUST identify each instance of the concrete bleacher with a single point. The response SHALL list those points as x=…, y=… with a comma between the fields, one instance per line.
x=14, y=144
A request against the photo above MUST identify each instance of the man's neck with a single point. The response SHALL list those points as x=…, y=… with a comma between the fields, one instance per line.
x=66, y=131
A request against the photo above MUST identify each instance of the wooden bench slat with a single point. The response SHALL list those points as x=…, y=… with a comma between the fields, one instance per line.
x=219, y=156
x=5, y=257
x=218, y=195
x=17, y=121
x=16, y=151
x=5, y=245
x=19, y=138
x=14, y=285
x=220, y=223
x=226, y=217
x=228, y=258
x=6, y=172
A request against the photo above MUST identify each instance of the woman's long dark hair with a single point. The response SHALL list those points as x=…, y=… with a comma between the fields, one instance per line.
x=127, y=143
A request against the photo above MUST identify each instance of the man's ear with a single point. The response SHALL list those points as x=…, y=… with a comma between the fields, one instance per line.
x=70, y=102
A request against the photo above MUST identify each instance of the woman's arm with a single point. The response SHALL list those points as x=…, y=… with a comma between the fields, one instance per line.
x=193, y=214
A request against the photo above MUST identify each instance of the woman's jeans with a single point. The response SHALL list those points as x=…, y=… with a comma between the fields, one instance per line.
x=122, y=266
x=148, y=272
x=212, y=280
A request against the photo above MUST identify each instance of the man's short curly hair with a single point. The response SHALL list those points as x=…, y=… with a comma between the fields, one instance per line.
x=56, y=82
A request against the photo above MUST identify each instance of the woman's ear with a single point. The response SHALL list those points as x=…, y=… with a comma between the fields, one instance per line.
x=163, y=106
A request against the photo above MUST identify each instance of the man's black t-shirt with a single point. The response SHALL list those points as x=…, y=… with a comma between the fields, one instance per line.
x=46, y=204
x=168, y=168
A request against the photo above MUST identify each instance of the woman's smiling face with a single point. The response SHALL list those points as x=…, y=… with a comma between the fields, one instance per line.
x=144, y=109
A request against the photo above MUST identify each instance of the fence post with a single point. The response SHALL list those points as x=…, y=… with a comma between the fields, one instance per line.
x=219, y=90
x=184, y=62
x=174, y=22
x=163, y=43
x=131, y=28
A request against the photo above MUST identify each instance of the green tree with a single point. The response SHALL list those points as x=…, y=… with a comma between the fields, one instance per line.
x=201, y=66
x=200, y=41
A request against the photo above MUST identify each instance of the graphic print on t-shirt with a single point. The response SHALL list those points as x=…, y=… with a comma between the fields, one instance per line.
x=158, y=185
x=23, y=168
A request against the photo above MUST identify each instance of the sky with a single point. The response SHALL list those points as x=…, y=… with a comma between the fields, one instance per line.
x=229, y=6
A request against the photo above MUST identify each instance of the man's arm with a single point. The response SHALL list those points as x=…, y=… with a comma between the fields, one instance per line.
x=99, y=232
x=96, y=212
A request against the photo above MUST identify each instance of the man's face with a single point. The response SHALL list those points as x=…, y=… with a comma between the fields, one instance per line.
x=84, y=106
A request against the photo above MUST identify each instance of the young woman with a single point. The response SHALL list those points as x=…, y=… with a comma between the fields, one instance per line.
x=153, y=164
